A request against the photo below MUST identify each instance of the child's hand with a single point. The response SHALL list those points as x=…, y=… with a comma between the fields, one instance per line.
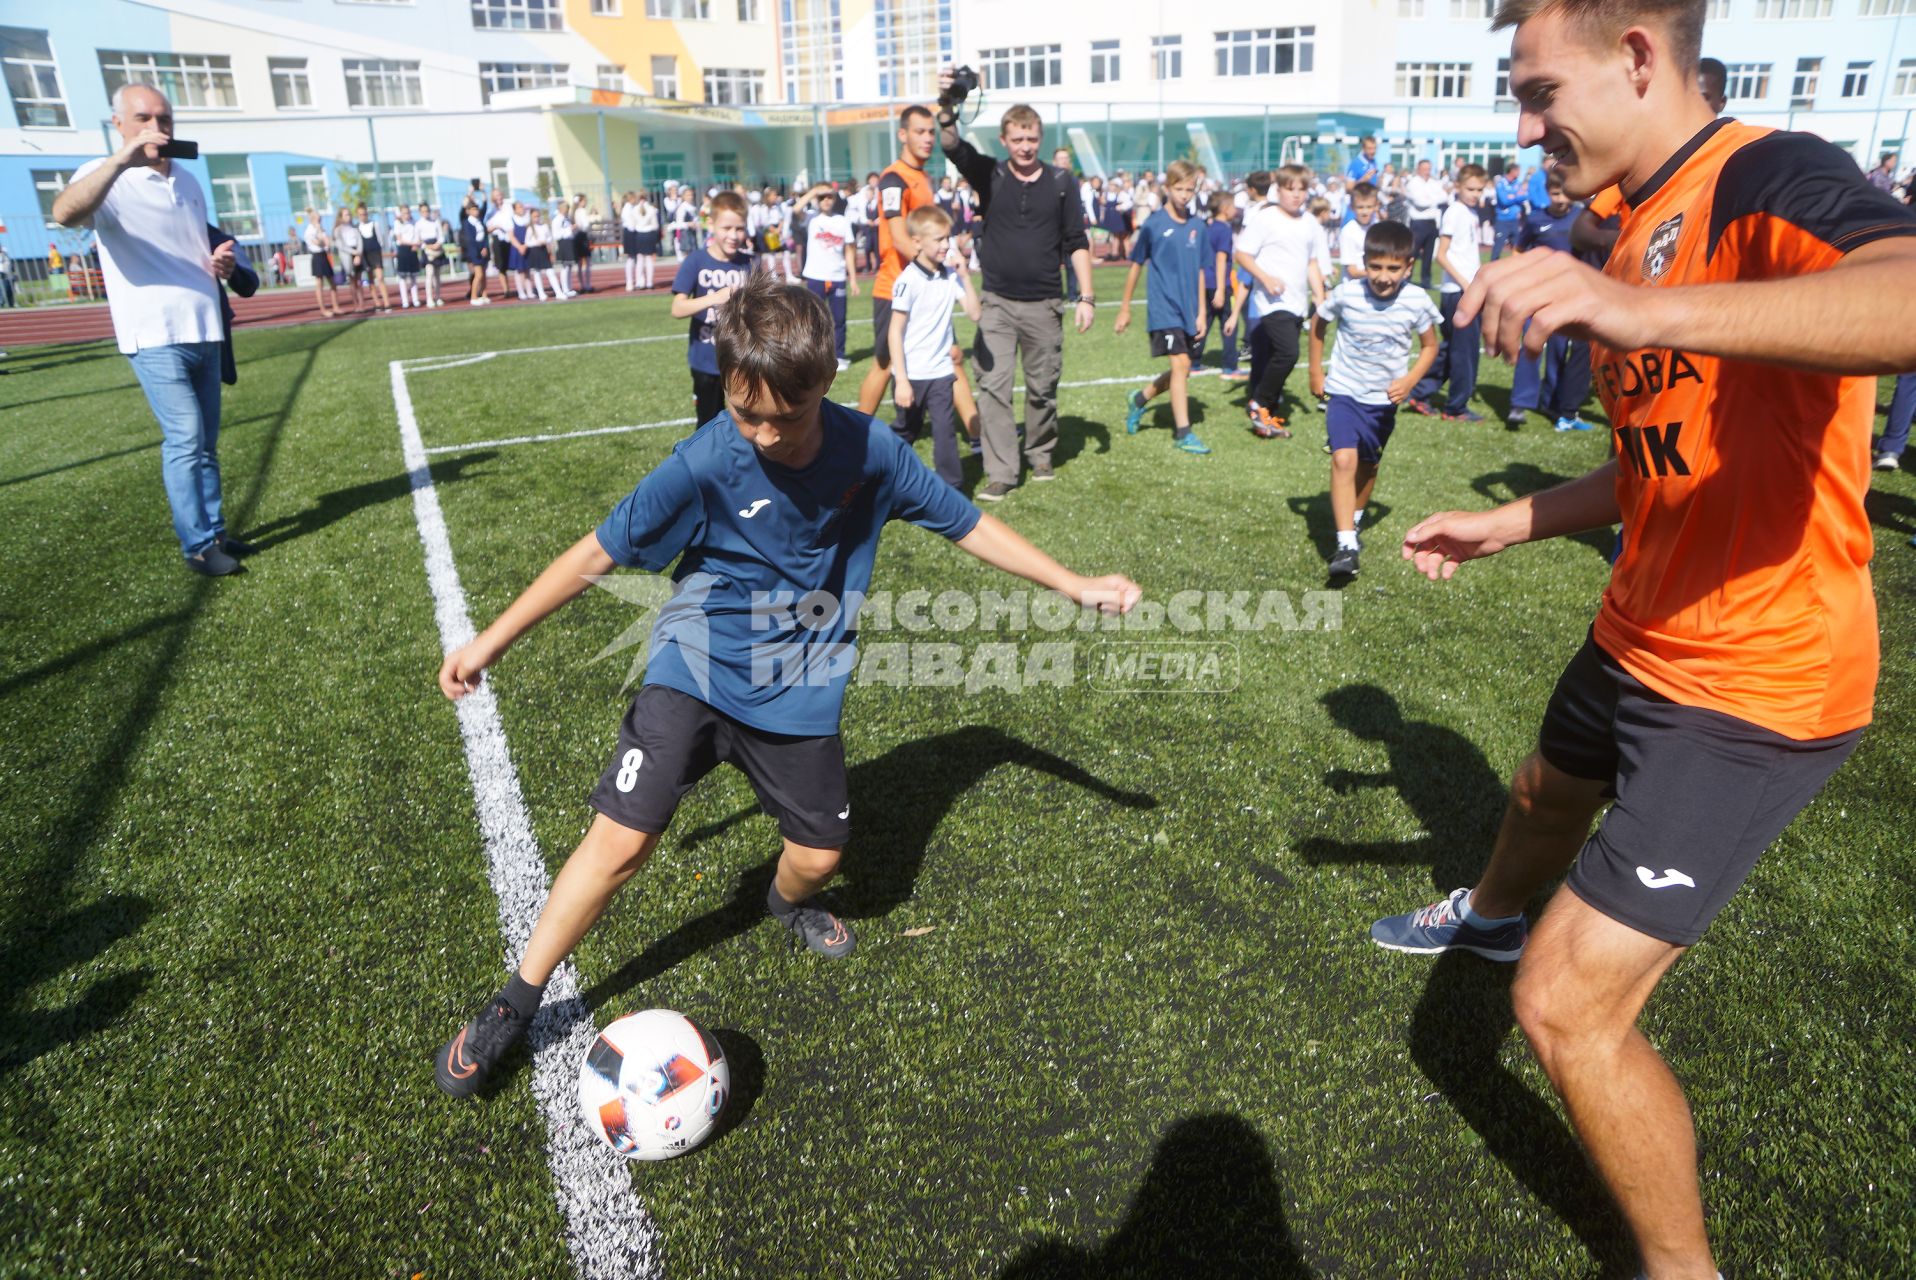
x=1399, y=391
x=1230, y=324
x=901, y=392
x=1204, y=327
x=1124, y=319
x=463, y=668
x=851, y=288
x=1217, y=299
x=1317, y=383
x=1113, y=593
x=718, y=298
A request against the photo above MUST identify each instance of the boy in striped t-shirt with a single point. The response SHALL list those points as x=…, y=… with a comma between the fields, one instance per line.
x=1375, y=318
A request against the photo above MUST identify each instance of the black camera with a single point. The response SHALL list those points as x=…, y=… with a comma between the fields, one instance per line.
x=180, y=149
x=963, y=81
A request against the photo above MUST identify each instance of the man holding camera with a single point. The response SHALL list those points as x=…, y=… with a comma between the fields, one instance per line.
x=162, y=290
x=1031, y=219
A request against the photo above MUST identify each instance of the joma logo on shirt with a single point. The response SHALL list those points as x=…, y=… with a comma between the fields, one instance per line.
x=1646, y=371
x=1652, y=449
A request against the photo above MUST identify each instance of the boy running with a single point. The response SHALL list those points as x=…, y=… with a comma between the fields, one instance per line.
x=781, y=497
x=1756, y=289
x=922, y=298
x=1173, y=244
x=705, y=282
x=1375, y=319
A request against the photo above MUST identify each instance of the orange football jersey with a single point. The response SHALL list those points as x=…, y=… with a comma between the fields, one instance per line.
x=901, y=189
x=1744, y=585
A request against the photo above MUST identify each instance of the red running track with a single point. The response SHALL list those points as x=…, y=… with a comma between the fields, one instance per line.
x=267, y=309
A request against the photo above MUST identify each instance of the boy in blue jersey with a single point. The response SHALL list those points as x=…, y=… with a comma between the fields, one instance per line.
x=778, y=499
x=1558, y=381
x=1375, y=319
x=706, y=280
x=1173, y=245
x=1219, y=237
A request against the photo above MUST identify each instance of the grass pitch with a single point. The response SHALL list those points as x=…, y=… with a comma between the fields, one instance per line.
x=1146, y=1034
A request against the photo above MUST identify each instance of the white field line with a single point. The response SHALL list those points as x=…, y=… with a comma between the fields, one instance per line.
x=610, y=1234
x=686, y=422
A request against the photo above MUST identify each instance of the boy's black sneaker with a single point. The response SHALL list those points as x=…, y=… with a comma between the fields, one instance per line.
x=469, y=1058
x=820, y=931
x=995, y=491
x=1344, y=563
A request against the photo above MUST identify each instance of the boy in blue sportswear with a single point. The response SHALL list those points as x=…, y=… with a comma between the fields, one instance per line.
x=779, y=498
x=1557, y=382
x=1174, y=246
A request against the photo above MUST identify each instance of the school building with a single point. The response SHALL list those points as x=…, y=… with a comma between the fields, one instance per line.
x=298, y=102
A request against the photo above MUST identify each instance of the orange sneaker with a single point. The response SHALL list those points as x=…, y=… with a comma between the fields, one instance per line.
x=1266, y=425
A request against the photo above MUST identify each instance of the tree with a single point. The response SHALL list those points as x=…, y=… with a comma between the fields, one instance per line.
x=356, y=188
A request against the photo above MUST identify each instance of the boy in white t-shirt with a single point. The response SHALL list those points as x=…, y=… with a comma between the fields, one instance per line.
x=831, y=258
x=1288, y=257
x=1350, y=237
x=922, y=298
x=1460, y=254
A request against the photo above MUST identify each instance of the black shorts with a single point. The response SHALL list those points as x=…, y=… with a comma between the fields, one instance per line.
x=881, y=332
x=669, y=740
x=1170, y=342
x=1699, y=795
x=708, y=397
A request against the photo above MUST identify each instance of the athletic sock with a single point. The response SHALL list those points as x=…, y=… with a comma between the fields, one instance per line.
x=776, y=904
x=1347, y=540
x=1357, y=521
x=1178, y=433
x=1471, y=917
x=522, y=995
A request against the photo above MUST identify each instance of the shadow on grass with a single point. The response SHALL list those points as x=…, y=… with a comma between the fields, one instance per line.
x=1891, y=511
x=1075, y=436
x=1320, y=525
x=1520, y=480
x=83, y=462
x=901, y=798
x=54, y=939
x=1457, y=1034
x=340, y=504
x=1210, y=1206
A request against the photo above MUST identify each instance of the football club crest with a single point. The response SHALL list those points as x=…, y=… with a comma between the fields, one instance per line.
x=1660, y=253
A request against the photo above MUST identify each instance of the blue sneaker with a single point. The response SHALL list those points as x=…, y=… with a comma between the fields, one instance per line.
x=1191, y=444
x=1573, y=424
x=1441, y=927
x=1134, y=404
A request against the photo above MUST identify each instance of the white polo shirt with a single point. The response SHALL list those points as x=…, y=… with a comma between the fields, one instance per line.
x=160, y=288
x=1285, y=246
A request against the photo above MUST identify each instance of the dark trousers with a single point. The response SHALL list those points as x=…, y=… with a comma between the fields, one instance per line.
x=1273, y=356
x=1902, y=407
x=709, y=394
x=1557, y=382
x=931, y=400
x=1456, y=359
x=1423, y=246
x=1227, y=363
x=1070, y=284
x=834, y=295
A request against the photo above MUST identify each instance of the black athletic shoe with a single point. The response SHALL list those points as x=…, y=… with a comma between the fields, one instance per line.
x=470, y=1057
x=234, y=547
x=1344, y=563
x=214, y=563
x=820, y=931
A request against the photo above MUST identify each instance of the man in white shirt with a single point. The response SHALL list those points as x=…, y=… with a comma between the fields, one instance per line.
x=1459, y=254
x=1424, y=200
x=162, y=290
x=1288, y=257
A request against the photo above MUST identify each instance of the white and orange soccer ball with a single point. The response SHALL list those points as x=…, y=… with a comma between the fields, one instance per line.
x=654, y=1084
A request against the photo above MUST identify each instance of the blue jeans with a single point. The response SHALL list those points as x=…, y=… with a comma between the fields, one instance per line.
x=1503, y=235
x=182, y=383
x=834, y=296
x=1902, y=407
x=1558, y=382
x=1456, y=359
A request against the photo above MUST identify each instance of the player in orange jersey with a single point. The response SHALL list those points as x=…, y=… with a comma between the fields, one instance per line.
x=1756, y=288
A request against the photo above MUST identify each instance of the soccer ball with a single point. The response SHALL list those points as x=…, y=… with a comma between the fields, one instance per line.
x=653, y=1084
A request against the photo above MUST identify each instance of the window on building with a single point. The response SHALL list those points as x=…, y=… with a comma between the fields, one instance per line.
x=914, y=40
x=306, y=188
x=1030, y=66
x=734, y=86
x=611, y=76
x=1772, y=9
x=1410, y=8
x=1748, y=80
x=47, y=184
x=1856, y=79
x=1905, y=83
x=812, y=47
x=605, y=8
x=291, y=91
x=725, y=167
x=33, y=79
x=501, y=173
x=1104, y=62
x=379, y=82
x=545, y=176
x=1503, y=79
x=504, y=77
x=1886, y=8
x=193, y=81
x=1433, y=80
x=1803, y=84
x=1266, y=51
x=665, y=76
x=748, y=11
x=1167, y=57
x=696, y=9
x=1478, y=10
x=404, y=182
x=234, y=208
x=518, y=15
x=1717, y=10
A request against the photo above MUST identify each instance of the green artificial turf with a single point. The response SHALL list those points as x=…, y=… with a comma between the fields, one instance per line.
x=246, y=898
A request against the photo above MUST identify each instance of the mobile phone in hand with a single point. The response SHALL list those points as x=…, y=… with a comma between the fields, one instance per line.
x=179, y=149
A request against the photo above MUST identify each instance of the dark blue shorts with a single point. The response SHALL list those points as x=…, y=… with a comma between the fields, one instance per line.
x=1363, y=427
